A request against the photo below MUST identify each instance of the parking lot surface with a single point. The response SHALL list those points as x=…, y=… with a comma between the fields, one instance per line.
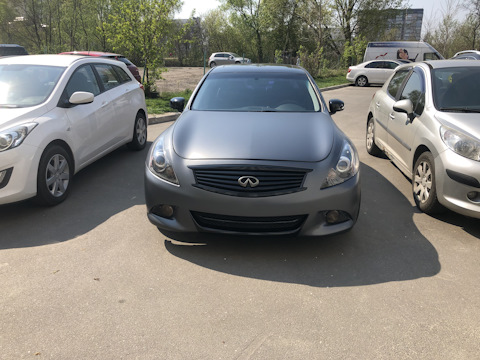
x=93, y=279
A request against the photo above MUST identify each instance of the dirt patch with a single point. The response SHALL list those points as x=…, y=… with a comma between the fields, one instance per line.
x=179, y=79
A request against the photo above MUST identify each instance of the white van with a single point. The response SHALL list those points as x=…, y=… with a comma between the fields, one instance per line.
x=401, y=50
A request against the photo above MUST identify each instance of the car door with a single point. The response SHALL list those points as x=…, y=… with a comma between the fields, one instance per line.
x=88, y=123
x=375, y=72
x=118, y=86
x=402, y=127
x=383, y=106
x=389, y=67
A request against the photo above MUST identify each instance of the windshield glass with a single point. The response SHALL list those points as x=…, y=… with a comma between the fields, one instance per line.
x=456, y=89
x=257, y=92
x=27, y=85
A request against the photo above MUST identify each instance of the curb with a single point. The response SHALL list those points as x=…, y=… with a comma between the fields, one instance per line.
x=172, y=116
x=161, y=118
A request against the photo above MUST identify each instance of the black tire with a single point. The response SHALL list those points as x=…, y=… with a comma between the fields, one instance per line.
x=213, y=64
x=361, y=81
x=424, y=186
x=372, y=148
x=139, y=139
x=55, y=172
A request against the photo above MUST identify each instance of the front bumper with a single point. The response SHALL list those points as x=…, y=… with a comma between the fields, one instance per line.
x=22, y=183
x=311, y=205
x=457, y=180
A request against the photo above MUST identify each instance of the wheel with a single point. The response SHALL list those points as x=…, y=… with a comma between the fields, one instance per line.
x=213, y=64
x=361, y=81
x=139, y=133
x=423, y=185
x=372, y=148
x=55, y=172
x=237, y=62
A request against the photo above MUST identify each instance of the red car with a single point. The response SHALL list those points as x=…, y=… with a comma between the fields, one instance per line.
x=131, y=66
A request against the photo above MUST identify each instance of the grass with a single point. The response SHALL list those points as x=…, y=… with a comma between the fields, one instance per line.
x=161, y=105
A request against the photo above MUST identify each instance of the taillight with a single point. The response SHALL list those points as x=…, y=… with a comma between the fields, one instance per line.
x=349, y=70
x=141, y=86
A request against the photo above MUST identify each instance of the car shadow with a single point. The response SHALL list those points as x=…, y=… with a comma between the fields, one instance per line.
x=385, y=245
x=108, y=186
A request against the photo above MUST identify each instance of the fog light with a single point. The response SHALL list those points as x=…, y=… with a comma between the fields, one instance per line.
x=336, y=217
x=165, y=211
x=473, y=196
x=5, y=177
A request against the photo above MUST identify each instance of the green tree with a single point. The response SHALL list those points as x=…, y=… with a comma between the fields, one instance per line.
x=142, y=27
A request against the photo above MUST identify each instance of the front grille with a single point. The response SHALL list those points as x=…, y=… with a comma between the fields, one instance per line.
x=272, y=180
x=249, y=225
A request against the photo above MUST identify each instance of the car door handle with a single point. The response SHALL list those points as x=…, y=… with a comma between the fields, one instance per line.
x=392, y=116
x=377, y=104
x=105, y=103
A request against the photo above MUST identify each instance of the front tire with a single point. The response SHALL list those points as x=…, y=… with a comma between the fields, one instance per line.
x=361, y=81
x=139, y=133
x=424, y=185
x=372, y=148
x=55, y=172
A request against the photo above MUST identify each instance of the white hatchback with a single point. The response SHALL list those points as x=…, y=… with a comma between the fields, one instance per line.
x=59, y=114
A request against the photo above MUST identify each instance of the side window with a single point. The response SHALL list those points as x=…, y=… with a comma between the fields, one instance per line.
x=122, y=75
x=396, y=82
x=414, y=90
x=390, y=65
x=107, y=76
x=83, y=79
x=374, y=65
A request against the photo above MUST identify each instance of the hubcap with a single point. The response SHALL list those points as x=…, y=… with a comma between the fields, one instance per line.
x=57, y=175
x=370, y=134
x=423, y=181
x=141, y=131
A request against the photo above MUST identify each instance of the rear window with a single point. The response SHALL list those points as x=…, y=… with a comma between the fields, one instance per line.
x=12, y=50
x=257, y=92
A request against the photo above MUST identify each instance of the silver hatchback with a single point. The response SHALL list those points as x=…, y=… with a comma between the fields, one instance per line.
x=226, y=58
x=426, y=119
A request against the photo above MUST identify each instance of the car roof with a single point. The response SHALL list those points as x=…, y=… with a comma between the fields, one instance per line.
x=467, y=52
x=51, y=60
x=260, y=68
x=90, y=53
x=438, y=64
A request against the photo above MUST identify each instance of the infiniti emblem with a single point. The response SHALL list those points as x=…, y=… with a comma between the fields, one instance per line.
x=248, y=181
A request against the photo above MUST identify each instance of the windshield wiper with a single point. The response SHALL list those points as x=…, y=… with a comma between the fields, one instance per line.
x=460, y=109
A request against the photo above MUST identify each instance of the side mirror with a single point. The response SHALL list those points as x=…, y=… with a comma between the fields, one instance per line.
x=177, y=103
x=81, y=97
x=335, y=105
x=404, y=106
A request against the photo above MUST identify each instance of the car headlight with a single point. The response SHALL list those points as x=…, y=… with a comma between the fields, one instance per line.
x=13, y=137
x=346, y=168
x=159, y=162
x=460, y=143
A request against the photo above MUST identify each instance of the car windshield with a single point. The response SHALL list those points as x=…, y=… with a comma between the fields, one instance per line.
x=263, y=92
x=27, y=85
x=456, y=89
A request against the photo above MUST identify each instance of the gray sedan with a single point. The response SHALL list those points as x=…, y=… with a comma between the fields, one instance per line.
x=426, y=120
x=255, y=151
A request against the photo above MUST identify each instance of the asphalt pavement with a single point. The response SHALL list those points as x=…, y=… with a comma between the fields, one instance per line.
x=92, y=279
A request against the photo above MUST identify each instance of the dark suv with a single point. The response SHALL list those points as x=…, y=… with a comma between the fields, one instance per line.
x=12, y=50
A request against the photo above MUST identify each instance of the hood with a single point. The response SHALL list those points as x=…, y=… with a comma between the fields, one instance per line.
x=12, y=117
x=469, y=123
x=200, y=135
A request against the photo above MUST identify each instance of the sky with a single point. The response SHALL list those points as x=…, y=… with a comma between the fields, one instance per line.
x=431, y=7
